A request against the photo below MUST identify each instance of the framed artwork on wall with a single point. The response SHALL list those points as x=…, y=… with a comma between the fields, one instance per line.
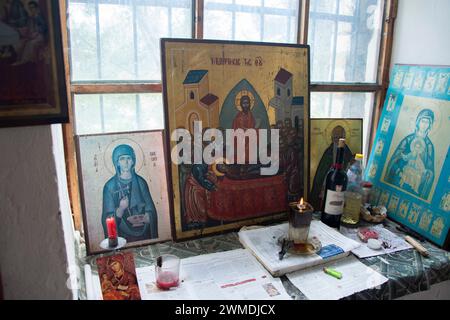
x=325, y=134
x=32, y=77
x=410, y=163
x=259, y=90
x=124, y=176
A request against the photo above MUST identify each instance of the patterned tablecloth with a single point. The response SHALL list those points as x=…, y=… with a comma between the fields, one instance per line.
x=408, y=272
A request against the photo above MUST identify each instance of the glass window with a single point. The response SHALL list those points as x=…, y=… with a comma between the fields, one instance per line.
x=251, y=20
x=119, y=40
x=345, y=36
x=103, y=113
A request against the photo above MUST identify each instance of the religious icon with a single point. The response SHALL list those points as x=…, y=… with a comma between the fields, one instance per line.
x=437, y=227
x=425, y=220
x=245, y=95
x=379, y=147
x=442, y=81
x=126, y=197
x=430, y=82
x=418, y=80
x=391, y=102
x=398, y=78
x=373, y=170
x=411, y=167
x=385, y=125
x=127, y=183
x=415, y=164
x=445, y=202
x=392, y=206
x=118, y=277
x=414, y=213
x=325, y=135
x=403, y=209
x=407, y=82
x=32, y=81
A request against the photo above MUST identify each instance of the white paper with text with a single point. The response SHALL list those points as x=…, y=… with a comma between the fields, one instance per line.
x=315, y=284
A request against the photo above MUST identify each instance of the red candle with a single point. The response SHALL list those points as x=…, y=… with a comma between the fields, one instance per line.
x=112, y=227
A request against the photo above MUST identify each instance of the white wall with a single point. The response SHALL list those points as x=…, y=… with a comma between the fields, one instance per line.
x=33, y=255
x=421, y=34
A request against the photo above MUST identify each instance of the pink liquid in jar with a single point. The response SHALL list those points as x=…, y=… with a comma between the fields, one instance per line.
x=167, y=280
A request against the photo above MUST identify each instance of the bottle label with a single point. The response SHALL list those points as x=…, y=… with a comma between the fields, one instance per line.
x=334, y=203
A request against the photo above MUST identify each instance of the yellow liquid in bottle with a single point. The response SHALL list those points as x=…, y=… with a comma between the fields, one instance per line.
x=352, y=208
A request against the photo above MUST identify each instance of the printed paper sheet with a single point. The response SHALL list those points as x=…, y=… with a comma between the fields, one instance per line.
x=315, y=284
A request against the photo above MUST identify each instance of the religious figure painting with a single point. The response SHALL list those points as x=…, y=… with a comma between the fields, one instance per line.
x=249, y=103
x=414, y=160
x=411, y=166
x=32, y=77
x=118, y=279
x=123, y=176
x=325, y=135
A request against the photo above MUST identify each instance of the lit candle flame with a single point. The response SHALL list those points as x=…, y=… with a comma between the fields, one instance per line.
x=301, y=205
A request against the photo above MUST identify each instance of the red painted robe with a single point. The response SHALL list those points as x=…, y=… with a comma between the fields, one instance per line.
x=124, y=287
x=243, y=121
x=195, y=206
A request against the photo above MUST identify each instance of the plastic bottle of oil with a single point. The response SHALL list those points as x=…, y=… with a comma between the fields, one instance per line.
x=354, y=192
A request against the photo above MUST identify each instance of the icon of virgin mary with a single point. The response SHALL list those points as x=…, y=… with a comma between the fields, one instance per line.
x=411, y=167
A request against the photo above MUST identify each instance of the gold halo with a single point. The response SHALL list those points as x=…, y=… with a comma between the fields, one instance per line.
x=214, y=166
x=237, y=101
x=333, y=124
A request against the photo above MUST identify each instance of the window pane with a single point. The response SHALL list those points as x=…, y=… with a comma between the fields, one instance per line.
x=119, y=40
x=148, y=41
x=344, y=36
x=325, y=6
x=83, y=42
x=344, y=105
x=218, y=25
x=249, y=26
x=116, y=57
x=272, y=34
x=251, y=20
x=102, y=113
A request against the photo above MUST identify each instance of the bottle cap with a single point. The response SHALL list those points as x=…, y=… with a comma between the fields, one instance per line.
x=366, y=184
x=359, y=156
x=341, y=143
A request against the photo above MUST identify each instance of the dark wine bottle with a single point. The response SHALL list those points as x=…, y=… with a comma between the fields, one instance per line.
x=335, y=184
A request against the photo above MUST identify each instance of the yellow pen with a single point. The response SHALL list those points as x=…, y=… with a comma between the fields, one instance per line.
x=333, y=273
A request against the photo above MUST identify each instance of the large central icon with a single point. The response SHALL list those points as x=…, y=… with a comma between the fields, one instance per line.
x=255, y=96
